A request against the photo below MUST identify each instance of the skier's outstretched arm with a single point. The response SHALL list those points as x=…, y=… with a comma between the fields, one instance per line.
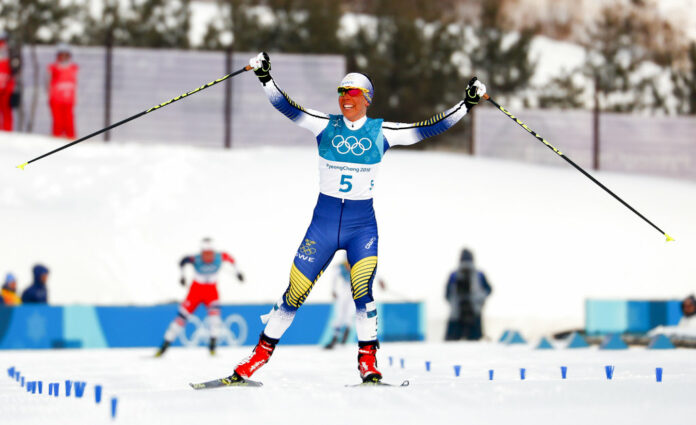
x=407, y=134
x=229, y=259
x=184, y=261
x=309, y=119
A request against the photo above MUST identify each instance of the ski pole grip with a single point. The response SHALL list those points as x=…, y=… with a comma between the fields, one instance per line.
x=485, y=96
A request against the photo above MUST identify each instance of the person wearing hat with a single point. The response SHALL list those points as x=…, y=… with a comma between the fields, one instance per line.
x=9, y=291
x=37, y=292
x=350, y=146
x=7, y=84
x=467, y=290
x=62, y=92
x=203, y=290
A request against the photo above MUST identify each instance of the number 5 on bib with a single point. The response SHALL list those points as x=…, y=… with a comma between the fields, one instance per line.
x=345, y=180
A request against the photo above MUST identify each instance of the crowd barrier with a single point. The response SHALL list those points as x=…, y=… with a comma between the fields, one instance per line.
x=42, y=326
x=628, y=143
x=627, y=316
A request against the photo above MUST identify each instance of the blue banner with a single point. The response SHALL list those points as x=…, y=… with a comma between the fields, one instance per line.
x=42, y=326
x=626, y=316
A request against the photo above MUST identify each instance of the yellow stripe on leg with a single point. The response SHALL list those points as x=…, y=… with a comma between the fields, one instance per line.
x=299, y=287
x=360, y=275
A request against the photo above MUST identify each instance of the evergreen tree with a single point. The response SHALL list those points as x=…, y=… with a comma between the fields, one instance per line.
x=104, y=28
x=684, y=81
x=36, y=21
x=409, y=60
x=144, y=23
x=298, y=26
x=628, y=51
x=612, y=58
x=499, y=58
x=562, y=92
x=235, y=26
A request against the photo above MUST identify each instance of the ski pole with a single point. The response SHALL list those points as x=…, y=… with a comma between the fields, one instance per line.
x=576, y=166
x=147, y=111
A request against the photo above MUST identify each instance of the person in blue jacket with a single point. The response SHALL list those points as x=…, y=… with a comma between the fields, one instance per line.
x=467, y=290
x=37, y=292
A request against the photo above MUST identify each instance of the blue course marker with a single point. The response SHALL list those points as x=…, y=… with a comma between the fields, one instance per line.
x=523, y=373
x=564, y=372
x=97, y=393
x=391, y=361
x=40, y=387
x=658, y=374
x=402, y=362
x=490, y=374
x=10, y=372
x=544, y=344
x=114, y=402
x=427, y=366
x=457, y=369
x=68, y=387
x=577, y=341
x=613, y=341
x=504, y=336
x=514, y=338
x=609, y=370
x=660, y=342
x=80, y=389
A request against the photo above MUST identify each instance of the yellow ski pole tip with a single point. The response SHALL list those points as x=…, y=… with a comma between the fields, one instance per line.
x=669, y=238
x=21, y=166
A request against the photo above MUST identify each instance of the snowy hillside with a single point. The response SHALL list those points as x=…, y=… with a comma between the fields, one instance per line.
x=112, y=222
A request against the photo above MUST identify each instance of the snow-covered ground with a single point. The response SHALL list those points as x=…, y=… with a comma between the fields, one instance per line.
x=111, y=221
x=305, y=385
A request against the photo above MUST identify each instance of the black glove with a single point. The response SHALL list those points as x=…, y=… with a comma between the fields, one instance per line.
x=474, y=90
x=261, y=64
x=182, y=281
x=240, y=276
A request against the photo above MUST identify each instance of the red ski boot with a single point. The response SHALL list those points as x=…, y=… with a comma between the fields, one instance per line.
x=367, y=363
x=259, y=357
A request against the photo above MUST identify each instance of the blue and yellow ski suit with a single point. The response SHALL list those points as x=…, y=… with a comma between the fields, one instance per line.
x=344, y=219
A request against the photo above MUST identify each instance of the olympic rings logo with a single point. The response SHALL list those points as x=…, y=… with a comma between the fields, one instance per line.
x=307, y=247
x=351, y=144
x=227, y=334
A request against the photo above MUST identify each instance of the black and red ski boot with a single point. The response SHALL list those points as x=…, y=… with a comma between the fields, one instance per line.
x=367, y=362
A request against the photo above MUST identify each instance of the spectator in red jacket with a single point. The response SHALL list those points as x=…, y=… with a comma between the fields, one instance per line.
x=61, y=92
x=6, y=84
